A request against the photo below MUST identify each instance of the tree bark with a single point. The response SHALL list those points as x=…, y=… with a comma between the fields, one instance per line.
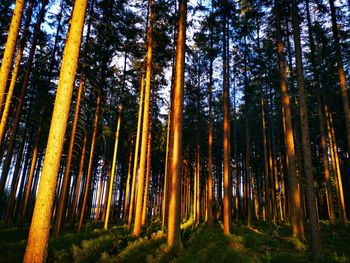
x=6, y=62
x=38, y=240
x=306, y=146
x=144, y=138
x=91, y=160
x=296, y=222
x=226, y=135
x=114, y=164
x=324, y=147
x=173, y=237
x=341, y=73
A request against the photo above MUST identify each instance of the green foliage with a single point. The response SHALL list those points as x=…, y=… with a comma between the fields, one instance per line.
x=90, y=250
x=259, y=243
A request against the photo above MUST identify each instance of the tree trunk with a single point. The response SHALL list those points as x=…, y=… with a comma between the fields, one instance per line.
x=309, y=178
x=66, y=178
x=14, y=184
x=144, y=138
x=127, y=190
x=38, y=240
x=136, y=155
x=79, y=179
x=296, y=222
x=173, y=238
x=15, y=71
x=28, y=188
x=6, y=62
x=341, y=73
x=148, y=170
x=226, y=135
x=114, y=164
x=91, y=160
x=25, y=82
x=324, y=147
x=209, y=213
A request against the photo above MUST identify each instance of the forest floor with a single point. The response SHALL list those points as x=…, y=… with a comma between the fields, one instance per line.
x=259, y=243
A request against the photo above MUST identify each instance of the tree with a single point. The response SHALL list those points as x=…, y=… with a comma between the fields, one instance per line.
x=296, y=220
x=311, y=202
x=173, y=237
x=144, y=137
x=36, y=249
x=10, y=47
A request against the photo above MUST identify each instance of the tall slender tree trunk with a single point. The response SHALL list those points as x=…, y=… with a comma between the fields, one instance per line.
x=66, y=178
x=166, y=175
x=266, y=168
x=15, y=71
x=336, y=167
x=6, y=62
x=144, y=138
x=341, y=73
x=136, y=155
x=114, y=164
x=173, y=237
x=79, y=179
x=148, y=170
x=37, y=243
x=309, y=178
x=91, y=160
x=296, y=222
x=28, y=187
x=25, y=82
x=209, y=213
x=127, y=190
x=226, y=135
x=14, y=183
x=324, y=147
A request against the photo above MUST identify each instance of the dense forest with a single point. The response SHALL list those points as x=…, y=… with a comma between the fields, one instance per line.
x=174, y=131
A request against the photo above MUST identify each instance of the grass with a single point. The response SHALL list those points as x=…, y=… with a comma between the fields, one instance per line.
x=258, y=243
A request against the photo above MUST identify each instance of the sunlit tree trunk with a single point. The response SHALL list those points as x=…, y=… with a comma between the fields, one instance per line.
x=148, y=171
x=341, y=73
x=79, y=179
x=296, y=222
x=144, y=138
x=37, y=243
x=15, y=71
x=91, y=161
x=320, y=112
x=127, y=190
x=309, y=178
x=6, y=62
x=136, y=155
x=226, y=135
x=336, y=167
x=209, y=214
x=248, y=174
x=66, y=178
x=25, y=82
x=166, y=175
x=173, y=237
x=106, y=192
x=114, y=164
x=266, y=168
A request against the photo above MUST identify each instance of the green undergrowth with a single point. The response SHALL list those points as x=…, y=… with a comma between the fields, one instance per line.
x=258, y=243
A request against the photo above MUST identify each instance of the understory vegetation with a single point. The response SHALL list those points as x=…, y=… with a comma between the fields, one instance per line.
x=259, y=243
